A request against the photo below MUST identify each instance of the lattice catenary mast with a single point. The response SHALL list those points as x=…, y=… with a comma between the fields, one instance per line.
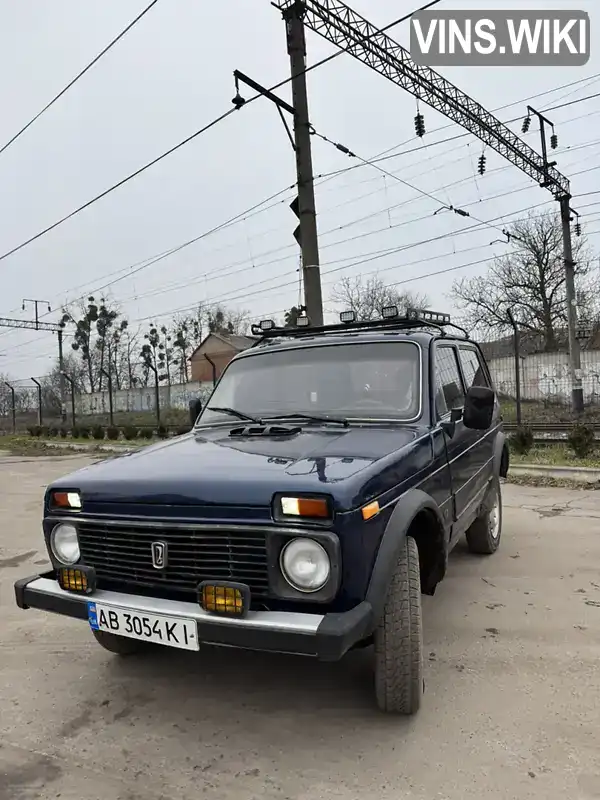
x=352, y=33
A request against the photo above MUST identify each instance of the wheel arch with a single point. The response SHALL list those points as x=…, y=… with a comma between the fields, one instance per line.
x=417, y=515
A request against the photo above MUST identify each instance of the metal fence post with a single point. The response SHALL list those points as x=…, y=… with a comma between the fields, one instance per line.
x=214, y=368
x=14, y=406
x=111, y=412
x=156, y=392
x=40, y=411
x=72, y=385
x=517, y=351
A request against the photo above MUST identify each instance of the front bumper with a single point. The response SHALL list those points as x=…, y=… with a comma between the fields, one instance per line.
x=324, y=636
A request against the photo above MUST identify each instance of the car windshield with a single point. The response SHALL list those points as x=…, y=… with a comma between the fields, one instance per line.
x=371, y=380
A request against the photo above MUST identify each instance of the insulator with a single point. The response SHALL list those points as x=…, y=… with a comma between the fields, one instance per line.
x=482, y=164
x=420, y=125
x=554, y=141
x=526, y=124
x=578, y=229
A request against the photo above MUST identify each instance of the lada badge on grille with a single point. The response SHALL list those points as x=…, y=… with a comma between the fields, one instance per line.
x=159, y=555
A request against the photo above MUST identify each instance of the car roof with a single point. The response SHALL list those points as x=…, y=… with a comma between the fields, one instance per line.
x=349, y=337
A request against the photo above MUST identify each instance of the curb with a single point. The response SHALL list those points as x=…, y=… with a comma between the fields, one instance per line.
x=579, y=474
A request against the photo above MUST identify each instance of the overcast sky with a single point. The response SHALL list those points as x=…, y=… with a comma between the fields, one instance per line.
x=172, y=74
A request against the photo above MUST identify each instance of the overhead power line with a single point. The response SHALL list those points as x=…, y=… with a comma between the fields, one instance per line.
x=322, y=178
x=189, y=139
x=80, y=75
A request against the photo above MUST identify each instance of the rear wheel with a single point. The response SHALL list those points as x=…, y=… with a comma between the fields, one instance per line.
x=483, y=537
x=399, y=638
x=120, y=645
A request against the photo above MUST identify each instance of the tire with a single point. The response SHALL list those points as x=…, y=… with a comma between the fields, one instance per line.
x=399, y=639
x=120, y=645
x=483, y=537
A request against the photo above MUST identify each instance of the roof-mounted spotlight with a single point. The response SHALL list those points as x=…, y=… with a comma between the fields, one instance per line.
x=348, y=316
x=302, y=322
x=389, y=312
x=266, y=325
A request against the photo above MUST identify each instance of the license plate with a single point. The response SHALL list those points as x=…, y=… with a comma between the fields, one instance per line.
x=156, y=628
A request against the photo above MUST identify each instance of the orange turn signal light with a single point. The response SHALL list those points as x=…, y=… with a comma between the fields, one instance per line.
x=371, y=510
x=66, y=500
x=313, y=507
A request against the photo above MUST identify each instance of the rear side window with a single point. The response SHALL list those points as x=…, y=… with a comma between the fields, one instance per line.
x=473, y=369
x=449, y=392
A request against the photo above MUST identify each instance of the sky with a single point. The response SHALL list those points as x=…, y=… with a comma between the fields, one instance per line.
x=172, y=74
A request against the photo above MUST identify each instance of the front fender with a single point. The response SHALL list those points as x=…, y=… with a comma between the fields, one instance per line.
x=392, y=540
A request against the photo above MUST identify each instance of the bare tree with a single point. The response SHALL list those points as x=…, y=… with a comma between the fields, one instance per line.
x=220, y=319
x=530, y=281
x=366, y=297
x=97, y=337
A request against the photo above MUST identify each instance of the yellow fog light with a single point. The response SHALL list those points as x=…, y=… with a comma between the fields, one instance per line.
x=77, y=579
x=228, y=599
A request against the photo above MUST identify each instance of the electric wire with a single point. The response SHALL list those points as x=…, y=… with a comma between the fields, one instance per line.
x=186, y=141
x=78, y=76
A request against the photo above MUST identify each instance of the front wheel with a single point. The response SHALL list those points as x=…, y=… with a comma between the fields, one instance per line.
x=399, y=638
x=483, y=537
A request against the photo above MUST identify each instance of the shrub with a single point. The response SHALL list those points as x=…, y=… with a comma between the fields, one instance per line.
x=34, y=430
x=130, y=432
x=582, y=440
x=163, y=432
x=63, y=432
x=84, y=433
x=146, y=433
x=52, y=431
x=112, y=433
x=44, y=431
x=98, y=433
x=522, y=441
x=76, y=433
x=183, y=429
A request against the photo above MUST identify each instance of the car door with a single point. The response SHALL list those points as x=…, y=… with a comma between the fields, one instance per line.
x=449, y=397
x=480, y=451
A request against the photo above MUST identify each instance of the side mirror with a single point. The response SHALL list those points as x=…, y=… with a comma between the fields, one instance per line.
x=479, y=408
x=195, y=410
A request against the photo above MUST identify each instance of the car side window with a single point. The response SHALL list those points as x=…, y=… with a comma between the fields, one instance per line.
x=473, y=368
x=449, y=389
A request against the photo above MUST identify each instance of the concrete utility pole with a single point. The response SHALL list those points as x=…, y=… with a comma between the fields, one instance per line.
x=348, y=30
x=309, y=243
x=570, y=291
x=571, y=297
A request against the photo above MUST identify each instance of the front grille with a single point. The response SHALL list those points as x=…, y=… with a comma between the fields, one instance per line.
x=122, y=557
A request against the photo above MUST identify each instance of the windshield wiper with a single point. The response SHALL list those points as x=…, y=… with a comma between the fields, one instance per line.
x=235, y=413
x=314, y=418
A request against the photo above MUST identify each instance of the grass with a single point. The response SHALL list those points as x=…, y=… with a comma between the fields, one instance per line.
x=32, y=446
x=556, y=456
x=544, y=482
x=540, y=412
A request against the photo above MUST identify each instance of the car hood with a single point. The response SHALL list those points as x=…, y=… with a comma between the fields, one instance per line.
x=210, y=467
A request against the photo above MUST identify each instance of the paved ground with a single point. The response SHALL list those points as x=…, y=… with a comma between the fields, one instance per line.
x=512, y=707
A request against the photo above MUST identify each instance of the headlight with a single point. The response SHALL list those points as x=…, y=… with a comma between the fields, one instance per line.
x=64, y=543
x=305, y=565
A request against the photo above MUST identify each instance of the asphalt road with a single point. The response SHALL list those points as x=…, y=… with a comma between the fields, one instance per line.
x=512, y=706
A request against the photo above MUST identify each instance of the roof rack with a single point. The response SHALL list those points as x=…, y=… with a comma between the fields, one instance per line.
x=412, y=320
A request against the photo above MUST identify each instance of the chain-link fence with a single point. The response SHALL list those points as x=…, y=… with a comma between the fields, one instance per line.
x=31, y=404
x=533, y=378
